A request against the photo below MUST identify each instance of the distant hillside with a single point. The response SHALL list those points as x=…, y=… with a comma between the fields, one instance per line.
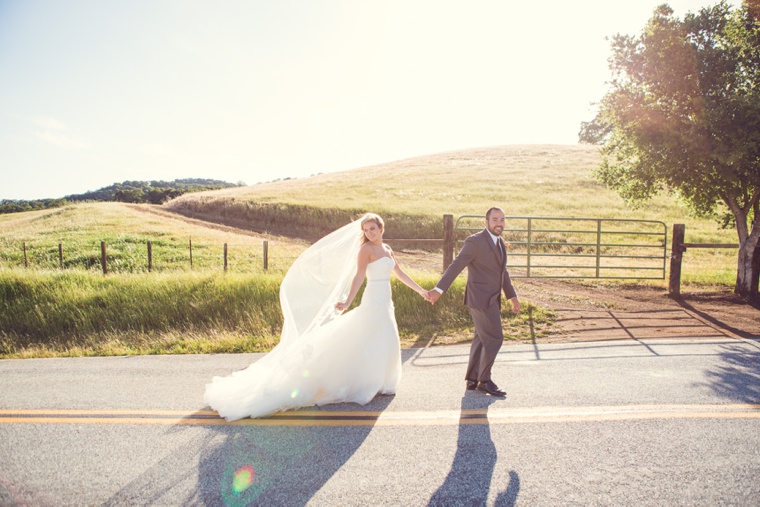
x=152, y=192
x=412, y=194
x=149, y=192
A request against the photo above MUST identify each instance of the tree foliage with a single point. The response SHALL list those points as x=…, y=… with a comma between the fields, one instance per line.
x=153, y=192
x=16, y=206
x=682, y=114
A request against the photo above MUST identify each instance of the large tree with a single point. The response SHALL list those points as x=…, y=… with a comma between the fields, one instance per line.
x=682, y=114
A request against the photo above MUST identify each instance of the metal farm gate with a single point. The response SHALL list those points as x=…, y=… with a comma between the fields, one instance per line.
x=556, y=247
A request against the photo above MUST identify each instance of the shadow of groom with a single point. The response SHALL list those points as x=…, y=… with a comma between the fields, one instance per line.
x=469, y=480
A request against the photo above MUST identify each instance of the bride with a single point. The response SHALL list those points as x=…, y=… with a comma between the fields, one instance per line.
x=325, y=356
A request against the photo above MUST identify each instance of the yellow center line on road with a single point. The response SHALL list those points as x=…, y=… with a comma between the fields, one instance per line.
x=515, y=415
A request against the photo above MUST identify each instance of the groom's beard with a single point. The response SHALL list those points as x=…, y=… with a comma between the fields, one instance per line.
x=496, y=231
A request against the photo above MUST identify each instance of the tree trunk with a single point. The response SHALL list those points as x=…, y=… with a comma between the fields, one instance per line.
x=749, y=263
x=756, y=270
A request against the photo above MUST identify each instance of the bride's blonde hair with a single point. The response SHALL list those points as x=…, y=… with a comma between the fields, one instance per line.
x=371, y=217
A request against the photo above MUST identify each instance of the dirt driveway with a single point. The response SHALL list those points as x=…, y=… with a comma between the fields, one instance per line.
x=603, y=312
x=589, y=311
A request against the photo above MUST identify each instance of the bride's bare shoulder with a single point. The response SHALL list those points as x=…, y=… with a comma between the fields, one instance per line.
x=365, y=251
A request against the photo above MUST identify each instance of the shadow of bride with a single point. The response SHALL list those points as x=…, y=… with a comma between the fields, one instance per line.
x=469, y=480
x=279, y=465
x=235, y=465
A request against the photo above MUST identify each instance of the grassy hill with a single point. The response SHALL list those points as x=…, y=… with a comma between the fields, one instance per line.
x=413, y=194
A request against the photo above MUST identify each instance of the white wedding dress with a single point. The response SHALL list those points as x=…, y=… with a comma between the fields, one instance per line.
x=323, y=356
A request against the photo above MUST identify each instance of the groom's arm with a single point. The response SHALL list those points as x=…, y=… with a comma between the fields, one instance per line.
x=466, y=255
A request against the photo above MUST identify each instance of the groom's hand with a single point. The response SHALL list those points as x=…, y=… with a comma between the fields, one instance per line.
x=432, y=296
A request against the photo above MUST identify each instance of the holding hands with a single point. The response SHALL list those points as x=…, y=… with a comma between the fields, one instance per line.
x=431, y=296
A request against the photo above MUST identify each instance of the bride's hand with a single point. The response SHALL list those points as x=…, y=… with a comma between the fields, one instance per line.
x=340, y=306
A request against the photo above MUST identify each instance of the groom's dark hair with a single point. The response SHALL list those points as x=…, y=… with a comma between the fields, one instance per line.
x=490, y=210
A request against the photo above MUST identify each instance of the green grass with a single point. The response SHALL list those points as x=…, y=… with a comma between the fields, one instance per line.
x=73, y=313
x=126, y=229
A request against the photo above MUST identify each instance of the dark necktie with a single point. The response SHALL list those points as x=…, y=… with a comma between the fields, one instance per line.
x=501, y=249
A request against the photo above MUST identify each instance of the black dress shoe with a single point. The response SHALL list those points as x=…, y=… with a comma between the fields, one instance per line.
x=491, y=388
x=471, y=384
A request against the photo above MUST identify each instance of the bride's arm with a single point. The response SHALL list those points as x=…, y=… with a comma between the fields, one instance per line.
x=406, y=279
x=361, y=269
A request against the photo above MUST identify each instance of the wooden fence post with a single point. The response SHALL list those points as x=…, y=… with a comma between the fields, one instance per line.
x=150, y=257
x=103, y=257
x=225, y=257
x=266, y=255
x=26, y=260
x=191, y=253
x=448, y=240
x=676, y=257
x=60, y=255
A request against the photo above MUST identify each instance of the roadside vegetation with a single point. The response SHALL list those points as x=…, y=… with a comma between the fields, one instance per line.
x=80, y=313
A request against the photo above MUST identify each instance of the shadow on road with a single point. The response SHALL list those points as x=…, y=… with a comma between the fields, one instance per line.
x=469, y=480
x=738, y=378
x=243, y=465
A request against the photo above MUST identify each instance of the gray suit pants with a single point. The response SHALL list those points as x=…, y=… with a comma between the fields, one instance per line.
x=486, y=344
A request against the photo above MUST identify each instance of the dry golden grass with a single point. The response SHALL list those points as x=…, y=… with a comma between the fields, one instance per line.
x=413, y=194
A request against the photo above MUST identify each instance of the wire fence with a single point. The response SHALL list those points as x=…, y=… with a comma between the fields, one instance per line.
x=539, y=247
x=145, y=256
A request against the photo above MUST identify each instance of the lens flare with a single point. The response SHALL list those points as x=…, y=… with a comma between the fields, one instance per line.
x=305, y=373
x=243, y=479
x=294, y=393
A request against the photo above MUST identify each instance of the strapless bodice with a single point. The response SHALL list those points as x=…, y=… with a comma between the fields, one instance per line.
x=380, y=269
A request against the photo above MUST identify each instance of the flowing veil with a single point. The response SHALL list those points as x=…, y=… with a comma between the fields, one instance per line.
x=319, y=278
x=301, y=369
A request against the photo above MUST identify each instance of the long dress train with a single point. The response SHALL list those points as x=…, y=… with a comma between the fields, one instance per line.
x=349, y=358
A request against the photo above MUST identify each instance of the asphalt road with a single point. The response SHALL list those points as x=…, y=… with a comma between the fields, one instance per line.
x=604, y=423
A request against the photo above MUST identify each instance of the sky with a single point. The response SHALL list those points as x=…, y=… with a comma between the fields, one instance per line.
x=94, y=92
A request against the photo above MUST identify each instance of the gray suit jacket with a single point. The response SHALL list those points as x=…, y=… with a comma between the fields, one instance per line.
x=487, y=274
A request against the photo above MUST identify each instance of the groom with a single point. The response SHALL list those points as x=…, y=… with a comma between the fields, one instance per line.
x=485, y=256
